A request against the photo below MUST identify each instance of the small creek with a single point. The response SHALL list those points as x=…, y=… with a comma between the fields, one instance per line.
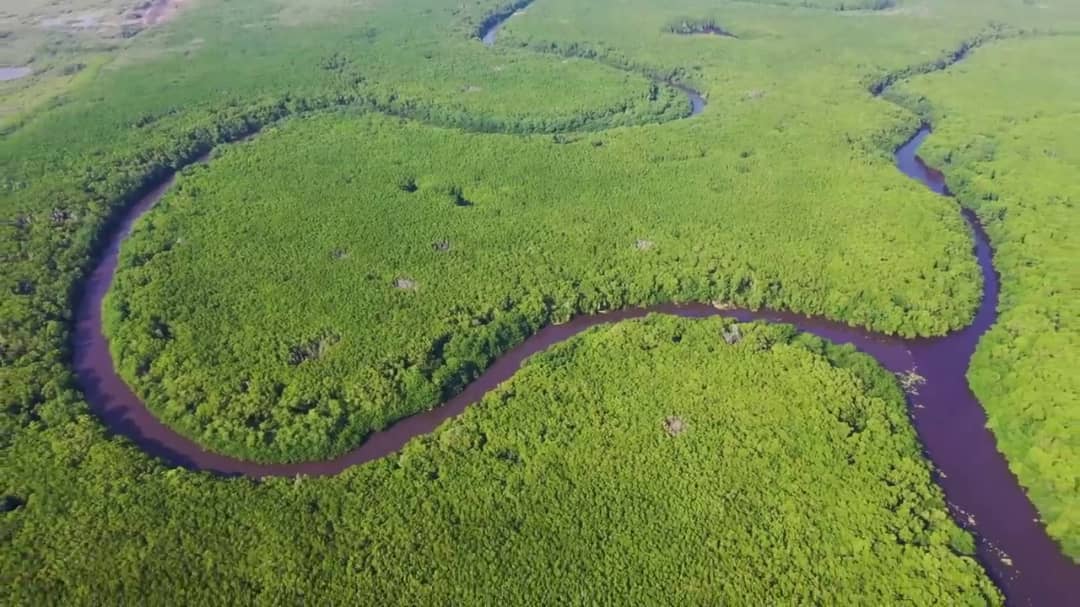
x=697, y=102
x=488, y=36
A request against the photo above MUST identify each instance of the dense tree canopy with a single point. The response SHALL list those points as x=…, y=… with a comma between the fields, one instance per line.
x=1006, y=137
x=302, y=290
x=398, y=211
x=648, y=462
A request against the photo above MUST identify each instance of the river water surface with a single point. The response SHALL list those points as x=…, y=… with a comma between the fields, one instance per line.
x=983, y=495
x=697, y=101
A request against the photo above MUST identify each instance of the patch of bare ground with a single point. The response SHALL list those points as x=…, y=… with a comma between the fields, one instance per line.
x=731, y=334
x=115, y=19
x=74, y=22
x=156, y=12
x=674, y=425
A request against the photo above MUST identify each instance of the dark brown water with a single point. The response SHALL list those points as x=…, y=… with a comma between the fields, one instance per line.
x=983, y=494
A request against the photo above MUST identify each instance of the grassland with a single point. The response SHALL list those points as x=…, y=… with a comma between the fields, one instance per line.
x=781, y=193
x=63, y=44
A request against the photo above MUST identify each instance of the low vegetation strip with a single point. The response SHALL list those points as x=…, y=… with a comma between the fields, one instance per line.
x=994, y=32
x=833, y=5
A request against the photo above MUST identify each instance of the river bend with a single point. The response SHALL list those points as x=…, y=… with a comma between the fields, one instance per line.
x=983, y=495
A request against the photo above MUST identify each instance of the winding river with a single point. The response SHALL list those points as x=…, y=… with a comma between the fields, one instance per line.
x=490, y=32
x=489, y=29
x=983, y=495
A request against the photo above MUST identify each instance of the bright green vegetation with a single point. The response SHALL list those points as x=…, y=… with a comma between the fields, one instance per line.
x=1006, y=137
x=363, y=326
x=410, y=61
x=350, y=285
x=63, y=44
x=647, y=460
x=781, y=193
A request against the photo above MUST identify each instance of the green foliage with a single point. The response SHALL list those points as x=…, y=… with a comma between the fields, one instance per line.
x=301, y=233
x=1006, y=139
x=836, y=5
x=780, y=193
x=792, y=480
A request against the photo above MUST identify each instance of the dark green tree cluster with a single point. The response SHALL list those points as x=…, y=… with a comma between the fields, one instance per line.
x=689, y=26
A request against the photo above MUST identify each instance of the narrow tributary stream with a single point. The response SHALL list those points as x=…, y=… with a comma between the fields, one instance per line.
x=490, y=32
